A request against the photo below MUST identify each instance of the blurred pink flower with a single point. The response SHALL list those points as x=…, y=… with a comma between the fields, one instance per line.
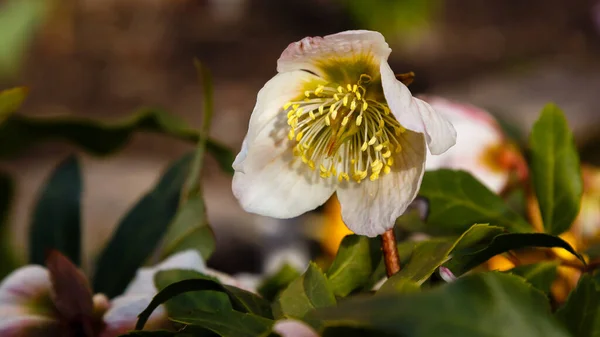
x=481, y=147
x=293, y=328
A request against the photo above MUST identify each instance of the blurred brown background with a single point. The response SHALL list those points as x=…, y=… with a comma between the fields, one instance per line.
x=106, y=58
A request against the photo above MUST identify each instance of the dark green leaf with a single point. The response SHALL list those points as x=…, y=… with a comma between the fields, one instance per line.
x=354, y=263
x=581, y=313
x=190, y=229
x=540, y=275
x=7, y=259
x=429, y=255
x=157, y=333
x=457, y=200
x=309, y=291
x=10, y=101
x=229, y=324
x=555, y=170
x=343, y=331
x=465, y=261
x=140, y=231
x=274, y=284
x=480, y=305
x=240, y=300
x=57, y=215
x=18, y=133
x=190, y=303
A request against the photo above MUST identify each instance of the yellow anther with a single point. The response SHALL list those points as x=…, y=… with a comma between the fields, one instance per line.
x=345, y=101
x=346, y=176
x=353, y=104
x=358, y=95
x=340, y=89
x=304, y=159
x=376, y=163
x=299, y=136
x=323, y=168
x=295, y=106
x=379, y=133
x=333, y=114
x=312, y=115
x=319, y=90
x=291, y=113
x=374, y=176
x=390, y=161
x=378, y=147
x=306, y=145
x=345, y=121
x=353, y=161
x=321, y=109
x=381, y=123
x=359, y=120
x=336, y=97
x=287, y=105
x=365, y=105
x=327, y=121
x=386, y=170
x=299, y=112
x=398, y=148
x=386, y=110
x=387, y=154
x=311, y=164
x=349, y=87
x=307, y=93
x=373, y=140
x=354, y=88
x=291, y=134
x=363, y=148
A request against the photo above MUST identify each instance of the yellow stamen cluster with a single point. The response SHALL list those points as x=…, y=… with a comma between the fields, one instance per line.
x=342, y=133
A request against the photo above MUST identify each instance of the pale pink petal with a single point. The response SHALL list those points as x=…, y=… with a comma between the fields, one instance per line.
x=123, y=315
x=310, y=52
x=273, y=182
x=293, y=328
x=25, y=285
x=478, y=135
x=143, y=282
x=372, y=207
x=415, y=114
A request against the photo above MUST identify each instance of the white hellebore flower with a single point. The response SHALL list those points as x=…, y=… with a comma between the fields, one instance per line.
x=481, y=147
x=336, y=119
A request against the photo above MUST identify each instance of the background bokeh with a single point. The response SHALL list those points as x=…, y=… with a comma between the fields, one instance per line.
x=106, y=58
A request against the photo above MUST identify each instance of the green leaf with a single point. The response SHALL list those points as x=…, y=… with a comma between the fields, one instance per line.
x=228, y=324
x=192, y=281
x=7, y=259
x=457, y=200
x=19, y=21
x=556, y=174
x=466, y=260
x=18, y=133
x=274, y=284
x=140, y=231
x=431, y=254
x=309, y=291
x=192, y=302
x=356, y=259
x=57, y=215
x=479, y=305
x=190, y=229
x=581, y=313
x=540, y=275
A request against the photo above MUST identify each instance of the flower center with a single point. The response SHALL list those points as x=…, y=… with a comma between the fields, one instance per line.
x=340, y=131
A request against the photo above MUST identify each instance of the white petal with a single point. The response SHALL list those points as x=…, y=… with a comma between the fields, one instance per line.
x=477, y=135
x=123, y=315
x=310, y=52
x=372, y=207
x=293, y=328
x=271, y=181
x=269, y=104
x=25, y=285
x=143, y=283
x=415, y=114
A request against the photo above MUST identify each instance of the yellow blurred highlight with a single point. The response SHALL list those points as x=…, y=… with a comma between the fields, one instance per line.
x=334, y=229
x=500, y=263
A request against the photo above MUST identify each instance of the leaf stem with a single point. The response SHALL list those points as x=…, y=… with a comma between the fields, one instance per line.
x=390, y=252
